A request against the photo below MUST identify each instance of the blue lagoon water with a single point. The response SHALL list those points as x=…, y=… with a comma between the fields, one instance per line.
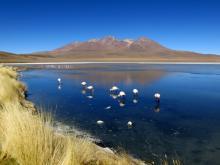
x=184, y=126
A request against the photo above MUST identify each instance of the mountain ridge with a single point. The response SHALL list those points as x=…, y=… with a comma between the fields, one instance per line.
x=109, y=43
x=112, y=49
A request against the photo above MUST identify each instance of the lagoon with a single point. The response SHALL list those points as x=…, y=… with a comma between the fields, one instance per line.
x=184, y=126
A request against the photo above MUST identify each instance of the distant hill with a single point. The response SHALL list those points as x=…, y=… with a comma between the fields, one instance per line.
x=112, y=49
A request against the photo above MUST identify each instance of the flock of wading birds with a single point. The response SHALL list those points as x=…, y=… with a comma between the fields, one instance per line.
x=115, y=93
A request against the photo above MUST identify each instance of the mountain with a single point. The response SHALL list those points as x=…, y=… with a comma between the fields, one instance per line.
x=110, y=43
x=111, y=49
x=6, y=57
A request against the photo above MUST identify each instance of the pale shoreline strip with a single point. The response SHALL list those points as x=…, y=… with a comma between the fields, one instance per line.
x=94, y=62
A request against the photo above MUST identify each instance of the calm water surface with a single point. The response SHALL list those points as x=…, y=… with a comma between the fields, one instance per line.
x=185, y=125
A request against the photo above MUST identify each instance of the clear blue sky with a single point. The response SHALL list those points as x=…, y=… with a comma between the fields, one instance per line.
x=37, y=25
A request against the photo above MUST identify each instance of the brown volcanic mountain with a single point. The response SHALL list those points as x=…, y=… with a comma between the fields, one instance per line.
x=111, y=49
x=111, y=44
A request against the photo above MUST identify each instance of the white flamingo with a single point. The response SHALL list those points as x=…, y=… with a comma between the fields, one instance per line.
x=129, y=123
x=100, y=122
x=108, y=107
x=121, y=94
x=83, y=83
x=59, y=80
x=91, y=88
x=135, y=91
x=157, y=96
x=114, y=88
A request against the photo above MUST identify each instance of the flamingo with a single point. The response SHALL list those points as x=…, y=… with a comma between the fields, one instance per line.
x=121, y=94
x=135, y=91
x=114, y=88
x=83, y=83
x=100, y=122
x=129, y=123
x=90, y=88
x=157, y=97
x=59, y=80
x=108, y=107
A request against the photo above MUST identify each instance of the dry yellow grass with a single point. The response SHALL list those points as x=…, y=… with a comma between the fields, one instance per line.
x=29, y=139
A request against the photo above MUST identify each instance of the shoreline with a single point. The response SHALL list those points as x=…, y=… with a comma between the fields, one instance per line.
x=97, y=62
x=43, y=142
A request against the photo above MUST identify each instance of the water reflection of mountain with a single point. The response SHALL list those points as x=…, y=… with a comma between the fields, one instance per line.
x=114, y=77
